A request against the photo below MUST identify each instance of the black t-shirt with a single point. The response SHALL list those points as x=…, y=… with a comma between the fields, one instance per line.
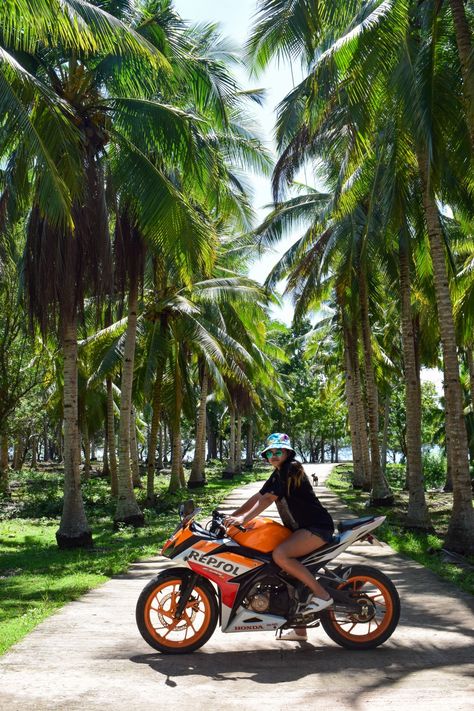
x=300, y=507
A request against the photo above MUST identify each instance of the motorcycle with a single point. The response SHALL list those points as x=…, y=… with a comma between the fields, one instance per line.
x=230, y=577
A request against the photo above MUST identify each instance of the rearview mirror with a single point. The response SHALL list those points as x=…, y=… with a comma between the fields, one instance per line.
x=186, y=508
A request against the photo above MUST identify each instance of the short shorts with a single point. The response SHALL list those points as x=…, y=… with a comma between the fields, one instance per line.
x=323, y=533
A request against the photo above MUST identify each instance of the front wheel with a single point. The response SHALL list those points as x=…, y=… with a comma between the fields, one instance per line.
x=378, y=614
x=156, y=610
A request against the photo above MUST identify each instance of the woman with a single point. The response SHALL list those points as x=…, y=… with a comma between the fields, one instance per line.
x=300, y=510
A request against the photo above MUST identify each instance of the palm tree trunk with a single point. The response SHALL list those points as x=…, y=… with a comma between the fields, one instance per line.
x=160, y=447
x=127, y=510
x=111, y=437
x=386, y=419
x=73, y=531
x=136, y=481
x=470, y=365
x=460, y=536
x=87, y=450
x=360, y=407
x=249, y=444
x=105, y=456
x=418, y=515
x=470, y=368
x=60, y=444
x=229, y=470
x=448, y=484
x=238, y=444
x=46, y=455
x=154, y=427
x=34, y=452
x=211, y=441
x=182, y=478
x=165, y=443
x=358, y=467
x=380, y=493
x=17, y=459
x=4, y=478
x=197, y=478
x=175, y=479
x=465, y=50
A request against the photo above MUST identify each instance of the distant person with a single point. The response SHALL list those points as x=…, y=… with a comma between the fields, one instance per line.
x=300, y=510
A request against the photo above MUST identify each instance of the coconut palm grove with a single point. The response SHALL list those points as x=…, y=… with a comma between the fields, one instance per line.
x=140, y=364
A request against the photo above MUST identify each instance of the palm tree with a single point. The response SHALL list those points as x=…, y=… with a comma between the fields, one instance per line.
x=355, y=406
x=397, y=43
x=418, y=514
x=339, y=246
x=381, y=494
x=463, y=31
x=65, y=123
x=206, y=178
x=197, y=477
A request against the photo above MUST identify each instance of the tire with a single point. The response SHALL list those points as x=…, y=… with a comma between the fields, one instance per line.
x=354, y=631
x=155, y=607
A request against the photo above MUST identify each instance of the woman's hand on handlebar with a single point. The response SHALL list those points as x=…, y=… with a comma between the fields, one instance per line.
x=234, y=521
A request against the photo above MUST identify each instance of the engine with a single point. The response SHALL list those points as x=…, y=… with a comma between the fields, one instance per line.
x=269, y=595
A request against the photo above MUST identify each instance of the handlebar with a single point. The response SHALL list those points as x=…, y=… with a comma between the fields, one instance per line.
x=217, y=525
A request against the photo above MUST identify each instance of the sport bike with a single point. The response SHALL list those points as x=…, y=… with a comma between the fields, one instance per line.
x=229, y=576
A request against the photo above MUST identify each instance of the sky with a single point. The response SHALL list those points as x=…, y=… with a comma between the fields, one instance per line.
x=235, y=20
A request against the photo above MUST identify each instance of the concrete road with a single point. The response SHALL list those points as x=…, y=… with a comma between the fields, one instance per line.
x=90, y=656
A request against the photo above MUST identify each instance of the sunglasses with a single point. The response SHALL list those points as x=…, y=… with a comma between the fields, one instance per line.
x=273, y=453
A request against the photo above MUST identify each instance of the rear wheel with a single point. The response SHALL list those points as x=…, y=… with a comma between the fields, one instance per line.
x=377, y=616
x=156, y=613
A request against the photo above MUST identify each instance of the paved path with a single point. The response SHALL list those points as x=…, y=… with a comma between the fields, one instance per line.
x=90, y=656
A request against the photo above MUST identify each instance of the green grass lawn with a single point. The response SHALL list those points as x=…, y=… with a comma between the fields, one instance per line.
x=422, y=547
x=36, y=578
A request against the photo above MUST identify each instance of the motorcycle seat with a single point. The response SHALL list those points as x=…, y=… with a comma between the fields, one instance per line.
x=350, y=523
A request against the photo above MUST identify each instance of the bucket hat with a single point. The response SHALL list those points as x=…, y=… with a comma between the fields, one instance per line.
x=277, y=440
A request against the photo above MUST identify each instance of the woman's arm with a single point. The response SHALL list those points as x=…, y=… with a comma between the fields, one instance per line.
x=248, y=505
x=260, y=503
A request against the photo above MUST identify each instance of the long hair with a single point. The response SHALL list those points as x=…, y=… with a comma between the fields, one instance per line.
x=294, y=472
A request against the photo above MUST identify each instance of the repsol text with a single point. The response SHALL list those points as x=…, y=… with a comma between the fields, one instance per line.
x=212, y=562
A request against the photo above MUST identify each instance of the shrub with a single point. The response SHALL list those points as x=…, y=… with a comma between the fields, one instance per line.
x=396, y=475
x=434, y=469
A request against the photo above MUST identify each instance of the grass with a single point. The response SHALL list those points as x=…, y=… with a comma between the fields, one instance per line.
x=425, y=548
x=36, y=578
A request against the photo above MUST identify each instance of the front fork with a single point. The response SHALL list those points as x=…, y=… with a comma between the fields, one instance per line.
x=185, y=593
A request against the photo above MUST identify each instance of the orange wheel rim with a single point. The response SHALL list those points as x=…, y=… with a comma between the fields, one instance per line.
x=160, y=620
x=365, y=628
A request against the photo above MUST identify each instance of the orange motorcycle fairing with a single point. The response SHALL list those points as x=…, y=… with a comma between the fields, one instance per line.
x=228, y=589
x=223, y=568
x=261, y=534
x=180, y=536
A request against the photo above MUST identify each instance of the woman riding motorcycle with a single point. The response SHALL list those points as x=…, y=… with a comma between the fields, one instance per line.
x=301, y=511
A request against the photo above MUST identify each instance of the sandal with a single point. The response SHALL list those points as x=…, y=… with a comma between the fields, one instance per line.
x=293, y=636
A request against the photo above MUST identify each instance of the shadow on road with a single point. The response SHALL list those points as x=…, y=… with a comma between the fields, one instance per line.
x=375, y=669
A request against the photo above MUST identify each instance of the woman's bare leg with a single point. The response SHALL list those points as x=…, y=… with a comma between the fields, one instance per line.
x=300, y=543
